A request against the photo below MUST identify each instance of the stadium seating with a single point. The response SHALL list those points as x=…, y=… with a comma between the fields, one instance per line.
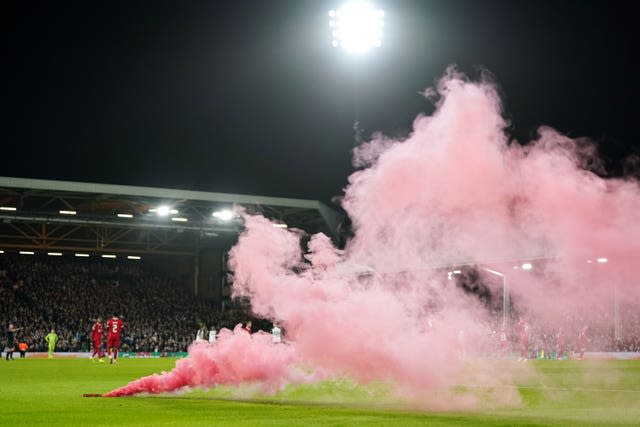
x=38, y=294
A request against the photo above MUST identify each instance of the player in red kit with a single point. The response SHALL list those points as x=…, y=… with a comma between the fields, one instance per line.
x=96, y=337
x=114, y=328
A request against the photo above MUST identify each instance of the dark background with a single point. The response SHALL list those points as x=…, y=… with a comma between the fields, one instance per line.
x=250, y=97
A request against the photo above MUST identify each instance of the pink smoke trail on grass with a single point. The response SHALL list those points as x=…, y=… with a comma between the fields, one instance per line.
x=455, y=192
x=237, y=357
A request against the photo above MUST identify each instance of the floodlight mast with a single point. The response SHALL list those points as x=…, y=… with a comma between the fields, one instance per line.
x=505, y=296
x=357, y=26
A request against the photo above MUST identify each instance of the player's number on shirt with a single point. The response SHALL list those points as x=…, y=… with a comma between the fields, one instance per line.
x=114, y=328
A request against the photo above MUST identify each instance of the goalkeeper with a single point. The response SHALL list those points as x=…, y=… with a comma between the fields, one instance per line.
x=51, y=339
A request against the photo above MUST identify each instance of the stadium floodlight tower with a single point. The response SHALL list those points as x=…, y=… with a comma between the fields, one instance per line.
x=357, y=26
x=505, y=296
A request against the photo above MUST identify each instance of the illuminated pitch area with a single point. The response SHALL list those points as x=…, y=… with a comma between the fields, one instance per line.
x=48, y=392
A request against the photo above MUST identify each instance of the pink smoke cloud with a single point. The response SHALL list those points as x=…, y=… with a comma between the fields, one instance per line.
x=237, y=357
x=456, y=192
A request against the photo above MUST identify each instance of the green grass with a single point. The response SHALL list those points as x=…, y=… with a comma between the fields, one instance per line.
x=48, y=392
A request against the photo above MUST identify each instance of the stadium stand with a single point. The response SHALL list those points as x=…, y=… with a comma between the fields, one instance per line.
x=38, y=293
x=600, y=333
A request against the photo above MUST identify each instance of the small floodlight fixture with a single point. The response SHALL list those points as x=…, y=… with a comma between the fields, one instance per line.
x=224, y=215
x=357, y=26
x=164, y=210
x=527, y=266
x=603, y=260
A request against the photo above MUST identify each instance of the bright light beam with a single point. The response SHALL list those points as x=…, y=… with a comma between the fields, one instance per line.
x=224, y=215
x=357, y=26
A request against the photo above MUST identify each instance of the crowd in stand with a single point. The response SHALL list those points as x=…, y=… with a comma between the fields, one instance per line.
x=630, y=328
x=600, y=332
x=38, y=294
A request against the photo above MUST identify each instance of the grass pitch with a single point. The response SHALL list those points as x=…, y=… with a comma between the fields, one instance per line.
x=49, y=392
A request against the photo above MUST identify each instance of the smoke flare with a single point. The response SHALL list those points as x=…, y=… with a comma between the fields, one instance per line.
x=237, y=357
x=455, y=193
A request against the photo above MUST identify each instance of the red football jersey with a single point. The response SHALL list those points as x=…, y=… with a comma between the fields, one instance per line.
x=115, y=326
x=96, y=331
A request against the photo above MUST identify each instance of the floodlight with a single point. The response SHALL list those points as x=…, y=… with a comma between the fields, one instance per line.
x=457, y=272
x=54, y=253
x=133, y=257
x=163, y=210
x=108, y=256
x=7, y=208
x=125, y=215
x=224, y=215
x=527, y=266
x=602, y=260
x=67, y=212
x=281, y=225
x=82, y=255
x=179, y=219
x=357, y=26
x=26, y=253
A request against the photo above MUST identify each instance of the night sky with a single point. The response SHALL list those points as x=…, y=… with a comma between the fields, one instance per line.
x=250, y=97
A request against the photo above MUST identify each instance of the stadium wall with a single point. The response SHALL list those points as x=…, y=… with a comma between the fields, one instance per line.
x=85, y=355
x=43, y=355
